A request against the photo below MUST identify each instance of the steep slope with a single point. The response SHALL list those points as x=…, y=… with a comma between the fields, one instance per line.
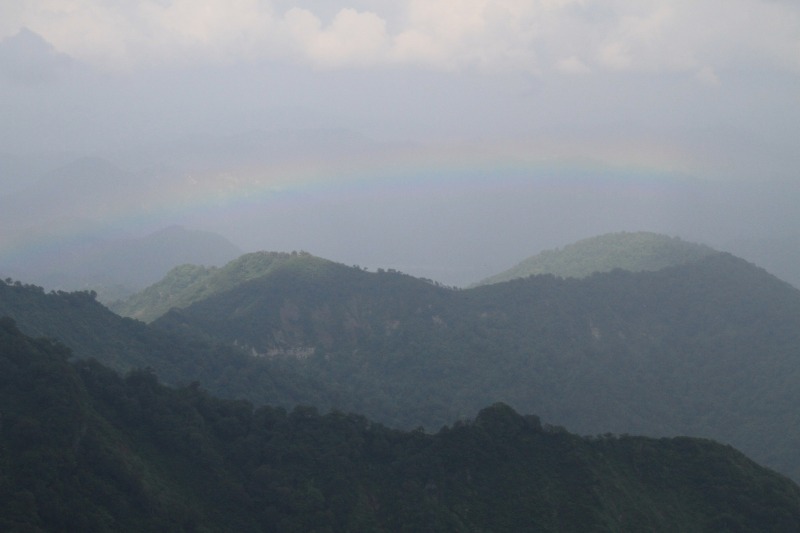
x=85, y=450
x=66, y=467
x=709, y=348
x=92, y=331
x=628, y=251
x=188, y=283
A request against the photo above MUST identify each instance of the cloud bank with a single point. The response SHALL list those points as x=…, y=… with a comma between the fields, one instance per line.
x=570, y=37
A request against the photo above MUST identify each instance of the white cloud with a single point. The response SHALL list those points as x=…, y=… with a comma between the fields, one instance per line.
x=453, y=34
x=572, y=65
x=129, y=34
x=615, y=55
x=444, y=33
x=541, y=35
x=352, y=38
x=214, y=27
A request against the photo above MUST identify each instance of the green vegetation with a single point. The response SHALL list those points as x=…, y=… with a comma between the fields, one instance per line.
x=707, y=348
x=92, y=331
x=187, y=284
x=629, y=251
x=83, y=449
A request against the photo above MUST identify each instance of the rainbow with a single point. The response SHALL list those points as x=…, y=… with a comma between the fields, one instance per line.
x=417, y=172
x=219, y=199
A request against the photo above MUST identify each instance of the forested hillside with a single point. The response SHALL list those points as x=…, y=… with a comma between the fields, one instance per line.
x=92, y=331
x=709, y=348
x=83, y=449
x=186, y=284
x=635, y=251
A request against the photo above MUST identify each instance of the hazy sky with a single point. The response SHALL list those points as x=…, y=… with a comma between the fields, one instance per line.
x=701, y=39
x=708, y=89
x=678, y=72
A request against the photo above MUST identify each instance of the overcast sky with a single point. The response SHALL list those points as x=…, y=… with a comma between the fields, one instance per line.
x=700, y=38
x=705, y=88
x=577, y=70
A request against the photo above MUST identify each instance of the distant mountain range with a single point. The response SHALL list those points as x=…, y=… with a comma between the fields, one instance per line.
x=249, y=186
x=113, y=267
x=635, y=252
x=84, y=449
x=706, y=348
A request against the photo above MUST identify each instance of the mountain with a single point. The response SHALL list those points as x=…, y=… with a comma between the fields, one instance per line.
x=708, y=348
x=84, y=449
x=91, y=331
x=117, y=267
x=186, y=284
x=72, y=227
x=84, y=188
x=27, y=59
x=629, y=251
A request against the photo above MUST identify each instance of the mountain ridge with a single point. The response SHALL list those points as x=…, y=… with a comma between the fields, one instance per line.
x=667, y=352
x=188, y=283
x=705, y=348
x=634, y=251
x=85, y=449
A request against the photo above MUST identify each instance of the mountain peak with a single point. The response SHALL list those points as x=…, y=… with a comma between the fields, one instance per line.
x=27, y=58
x=186, y=284
x=633, y=251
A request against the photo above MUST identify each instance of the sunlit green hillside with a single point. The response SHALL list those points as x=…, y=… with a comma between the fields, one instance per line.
x=629, y=251
x=186, y=284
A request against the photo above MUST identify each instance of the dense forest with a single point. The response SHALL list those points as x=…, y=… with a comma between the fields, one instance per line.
x=92, y=331
x=708, y=348
x=84, y=449
x=705, y=349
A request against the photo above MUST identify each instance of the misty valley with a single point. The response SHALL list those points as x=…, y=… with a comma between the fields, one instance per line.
x=625, y=382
